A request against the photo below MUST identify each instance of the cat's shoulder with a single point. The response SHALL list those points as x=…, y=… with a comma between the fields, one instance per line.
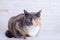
x=20, y=16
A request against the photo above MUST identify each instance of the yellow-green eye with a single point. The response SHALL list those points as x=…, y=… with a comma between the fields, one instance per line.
x=28, y=19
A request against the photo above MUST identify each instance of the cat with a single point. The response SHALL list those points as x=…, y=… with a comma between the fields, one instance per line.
x=24, y=25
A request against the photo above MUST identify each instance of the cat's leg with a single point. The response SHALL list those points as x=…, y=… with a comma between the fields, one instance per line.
x=22, y=31
x=10, y=28
x=17, y=34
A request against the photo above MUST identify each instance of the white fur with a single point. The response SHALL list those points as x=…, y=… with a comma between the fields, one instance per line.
x=33, y=30
x=30, y=38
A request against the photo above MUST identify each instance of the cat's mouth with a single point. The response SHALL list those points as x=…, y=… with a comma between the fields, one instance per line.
x=36, y=21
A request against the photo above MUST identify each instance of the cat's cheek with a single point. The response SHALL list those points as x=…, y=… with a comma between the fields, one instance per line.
x=36, y=21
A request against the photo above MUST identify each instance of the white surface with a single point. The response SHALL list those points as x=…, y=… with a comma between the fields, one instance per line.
x=50, y=16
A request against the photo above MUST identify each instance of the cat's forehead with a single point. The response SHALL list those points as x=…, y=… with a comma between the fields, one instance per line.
x=32, y=14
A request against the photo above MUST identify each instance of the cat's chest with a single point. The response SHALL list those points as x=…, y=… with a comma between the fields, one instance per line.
x=33, y=30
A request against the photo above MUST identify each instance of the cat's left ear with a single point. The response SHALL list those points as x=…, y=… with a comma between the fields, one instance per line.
x=38, y=13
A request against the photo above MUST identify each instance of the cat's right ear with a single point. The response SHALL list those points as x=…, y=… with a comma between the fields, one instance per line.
x=26, y=13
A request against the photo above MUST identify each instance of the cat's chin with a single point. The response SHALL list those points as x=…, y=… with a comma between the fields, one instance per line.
x=36, y=24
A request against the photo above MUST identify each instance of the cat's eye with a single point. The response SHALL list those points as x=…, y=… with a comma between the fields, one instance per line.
x=28, y=19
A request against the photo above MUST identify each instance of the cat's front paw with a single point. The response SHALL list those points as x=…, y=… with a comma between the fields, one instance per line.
x=30, y=38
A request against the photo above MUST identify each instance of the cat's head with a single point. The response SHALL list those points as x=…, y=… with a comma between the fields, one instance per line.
x=32, y=18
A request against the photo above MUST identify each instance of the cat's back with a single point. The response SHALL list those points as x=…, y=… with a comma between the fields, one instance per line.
x=14, y=18
x=19, y=16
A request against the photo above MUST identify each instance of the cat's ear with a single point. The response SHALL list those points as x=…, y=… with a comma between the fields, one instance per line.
x=38, y=13
x=26, y=13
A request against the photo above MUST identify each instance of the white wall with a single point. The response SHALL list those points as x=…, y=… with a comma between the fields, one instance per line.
x=50, y=16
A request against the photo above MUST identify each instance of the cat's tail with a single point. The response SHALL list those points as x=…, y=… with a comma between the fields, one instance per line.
x=8, y=34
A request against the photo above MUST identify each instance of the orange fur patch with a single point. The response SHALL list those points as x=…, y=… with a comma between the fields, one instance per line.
x=36, y=21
